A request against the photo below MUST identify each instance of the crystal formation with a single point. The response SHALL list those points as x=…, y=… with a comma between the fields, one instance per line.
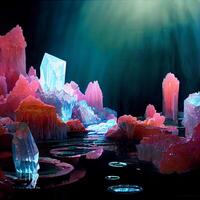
x=12, y=56
x=170, y=87
x=52, y=73
x=25, y=151
x=41, y=118
x=22, y=89
x=93, y=95
x=191, y=113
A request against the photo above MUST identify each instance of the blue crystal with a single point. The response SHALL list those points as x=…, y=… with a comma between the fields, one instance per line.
x=68, y=103
x=52, y=73
x=25, y=151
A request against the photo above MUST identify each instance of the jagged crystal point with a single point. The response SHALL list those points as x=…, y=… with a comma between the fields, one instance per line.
x=25, y=151
x=52, y=73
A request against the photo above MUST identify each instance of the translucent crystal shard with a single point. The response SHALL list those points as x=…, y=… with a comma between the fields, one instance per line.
x=25, y=151
x=52, y=73
x=191, y=113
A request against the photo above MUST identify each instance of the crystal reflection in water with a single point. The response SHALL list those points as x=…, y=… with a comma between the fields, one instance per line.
x=117, y=164
x=125, y=189
x=112, y=178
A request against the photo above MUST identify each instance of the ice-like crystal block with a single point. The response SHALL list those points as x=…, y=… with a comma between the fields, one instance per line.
x=25, y=151
x=68, y=103
x=52, y=73
x=191, y=113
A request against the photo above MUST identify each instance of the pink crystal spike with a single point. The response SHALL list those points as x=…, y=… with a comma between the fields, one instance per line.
x=170, y=87
x=93, y=95
x=150, y=111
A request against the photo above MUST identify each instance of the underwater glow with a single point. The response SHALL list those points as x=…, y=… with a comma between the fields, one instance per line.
x=138, y=40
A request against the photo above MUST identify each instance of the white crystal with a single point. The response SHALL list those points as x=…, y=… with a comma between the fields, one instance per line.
x=191, y=113
x=52, y=73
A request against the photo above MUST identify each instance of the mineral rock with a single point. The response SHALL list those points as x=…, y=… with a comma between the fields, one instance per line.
x=12, y=56
x=52, y=73
x=75, y=125
x=170, y=88
x=191, y=113
x=73, y=89
x=150, y=111
x=21, y=90
x=3, y=86
x=131, y=128
x=93, y=95
x=85, y=113
x=32, y=71
x=25, y=151
x=41, y=118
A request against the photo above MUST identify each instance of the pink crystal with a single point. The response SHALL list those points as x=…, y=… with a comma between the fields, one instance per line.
x=41, y=118
x=170, y=88
x=3, y=86
x=12, y=56
x=21, y=90
x=93, y=95
x=150, y=111
x=32, y=71
x=151, y=148
x=181, y=157
x=73, y=89
x=131, y=128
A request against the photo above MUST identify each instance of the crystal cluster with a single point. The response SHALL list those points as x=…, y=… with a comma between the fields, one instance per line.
x=41, y=118
x=25, y=151
x=191, y=113
x=131, y=128
x=170, y=87
x=171, y=153
x=47, y=103
x=12, y=56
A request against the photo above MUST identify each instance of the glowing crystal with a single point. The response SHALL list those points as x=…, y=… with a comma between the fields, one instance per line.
x=73, y=89
x=41, y=118
x=170, y=88
x=22, y=89
x=32, y=71
x=12, y=56
x=150, y=111
x=52, y=73
x=25, y=151
x=191, y=113
x=102, y=127
x=63, y=102
x=93, y=95
x=85, y=113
